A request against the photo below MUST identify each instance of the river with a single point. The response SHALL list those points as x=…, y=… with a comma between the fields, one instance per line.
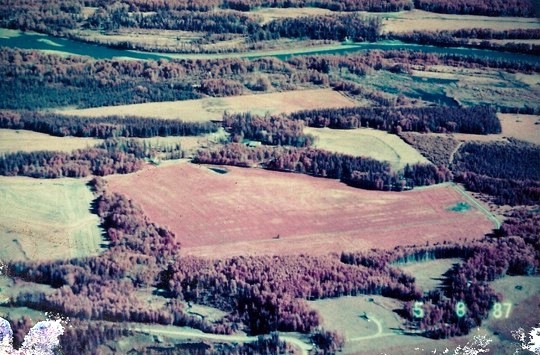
x=32, y=40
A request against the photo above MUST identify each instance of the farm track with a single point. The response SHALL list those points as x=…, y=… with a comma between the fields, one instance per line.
x=482, y=209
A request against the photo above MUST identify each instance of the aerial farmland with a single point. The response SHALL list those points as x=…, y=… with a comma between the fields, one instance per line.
x=240, y=177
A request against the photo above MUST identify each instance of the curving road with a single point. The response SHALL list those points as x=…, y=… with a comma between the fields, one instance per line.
x=304, y=347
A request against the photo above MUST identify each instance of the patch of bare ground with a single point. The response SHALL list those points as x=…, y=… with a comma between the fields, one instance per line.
x=367, y=142
x=29, y=141
x=47, y=219
x=429, y=274
x=419, y=20
x=253, y=211
x=213, y=108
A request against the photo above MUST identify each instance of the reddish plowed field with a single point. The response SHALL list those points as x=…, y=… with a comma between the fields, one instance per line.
x=242, y=212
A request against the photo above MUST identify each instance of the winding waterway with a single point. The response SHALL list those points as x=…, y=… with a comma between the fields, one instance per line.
x=31, y=40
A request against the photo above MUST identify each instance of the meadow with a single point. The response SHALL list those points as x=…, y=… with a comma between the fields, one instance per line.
x=366, y=142
x=47, y=219
x=29, y=141
x=212, y=109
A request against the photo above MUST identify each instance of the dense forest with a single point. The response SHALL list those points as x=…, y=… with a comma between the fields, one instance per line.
x=111, y=157
x=474, y=38
x=474, y=120
x=101, y=127
x=505, y=170
x=523, y=8
x=336, y=27
x=360, y=172
x=272, y=130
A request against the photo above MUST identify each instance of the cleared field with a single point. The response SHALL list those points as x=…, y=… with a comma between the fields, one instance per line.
x=270, y=14
x=213, y=108
x=429, y=274
x=419, y=20
x=359, y=318
x=244, y=211
x=525, y=127
x=29, y=141
x=46, y=219
x=369, y=143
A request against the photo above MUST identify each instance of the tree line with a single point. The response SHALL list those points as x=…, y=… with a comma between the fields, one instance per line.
x=272, y=130
x=360, y=172
x=479, y=7
x=331, y=27
x=112, y=157
x=473, y=120
x=117, y=15
x=101, y=127
x=459, y=38
x=334, y=5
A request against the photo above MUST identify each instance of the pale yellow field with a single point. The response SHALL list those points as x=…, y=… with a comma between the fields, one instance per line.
x=367, y=142
x=346, y=316
x=407, y=21
x=213, y=108
x=44, y=219
x=525, y=127
x=270, y=14
x=29, y=141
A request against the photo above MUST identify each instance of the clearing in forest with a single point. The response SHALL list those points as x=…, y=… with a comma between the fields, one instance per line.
x=367, y=142
x=208, y=109
x=254, y=211
x=43, y=219
x=429, y=274
x=359, y=318
x=28, y=141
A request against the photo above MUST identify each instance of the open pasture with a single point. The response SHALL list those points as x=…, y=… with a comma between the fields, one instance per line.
x=359, y=318
x=268, y=14
x=406, y=21
x=29, y=141
x=367, y=142
x=46, y=219
x=213, y=108
x=253, y=211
